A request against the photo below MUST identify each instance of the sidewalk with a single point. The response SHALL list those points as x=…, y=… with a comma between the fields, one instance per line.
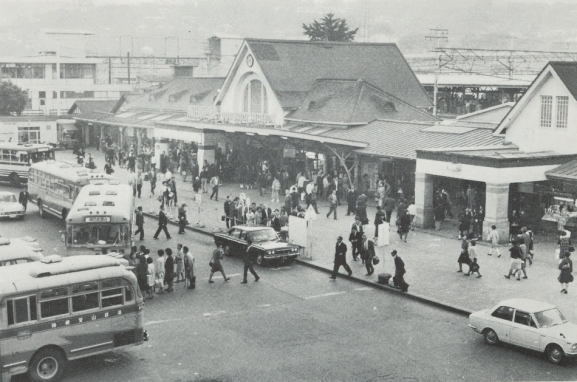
x=430, y=257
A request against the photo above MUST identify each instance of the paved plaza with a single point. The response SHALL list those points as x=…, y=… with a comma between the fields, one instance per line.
x=430, y=257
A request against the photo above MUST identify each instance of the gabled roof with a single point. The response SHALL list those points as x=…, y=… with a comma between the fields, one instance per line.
x=567, y=72
x=92, y=106
x=294, y=66
x=179, y=93
x=402, y=139
x=353, y=101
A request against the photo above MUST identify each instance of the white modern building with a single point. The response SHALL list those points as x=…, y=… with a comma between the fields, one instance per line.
x=60, y=74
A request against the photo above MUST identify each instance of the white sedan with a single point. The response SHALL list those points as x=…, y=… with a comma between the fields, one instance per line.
x=530, y=324
x=9, y=206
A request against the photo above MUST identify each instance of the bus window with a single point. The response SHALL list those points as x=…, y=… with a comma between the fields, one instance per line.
x=24, y=158
x=14, y=156
x=22, y=310
x=42, y=156
x=54, y=307
x=112, y=297
x=85, y=302
x=5, y=155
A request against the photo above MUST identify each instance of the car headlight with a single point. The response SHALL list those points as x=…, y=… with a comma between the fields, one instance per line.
x=574, y=347
x=270, y=252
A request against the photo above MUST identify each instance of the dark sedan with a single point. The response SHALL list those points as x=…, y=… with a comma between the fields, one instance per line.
x=265, y=244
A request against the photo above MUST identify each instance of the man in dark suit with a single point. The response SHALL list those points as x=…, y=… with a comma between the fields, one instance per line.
x=362, y=208
x=139, y=223
x=367, y=254
x=23, y=198
x=398, y=278
x=266, y=214
x=248, y=259
x=275, y=221
x=340, y=258
x=162, y=222
x=351, y=200
x=227, y=205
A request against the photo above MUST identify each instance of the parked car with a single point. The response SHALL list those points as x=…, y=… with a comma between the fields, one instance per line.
x=19, y=251
x=529, y=324
x=265, y=243
x=9, y=206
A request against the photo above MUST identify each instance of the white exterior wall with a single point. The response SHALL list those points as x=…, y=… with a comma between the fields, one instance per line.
x=526, y=131
x=48, y=130
x=484, y=174
x=233, y=99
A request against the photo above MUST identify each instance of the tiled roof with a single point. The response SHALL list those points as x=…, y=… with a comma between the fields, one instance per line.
x=565, y=171
x=402, y=139
x=292, y=65
x=567, y=72
x=91, y=106
x=178, y=94
x=353, y=101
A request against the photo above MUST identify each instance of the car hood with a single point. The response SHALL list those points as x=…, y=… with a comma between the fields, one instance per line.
x=568, y=329
x=274, y=245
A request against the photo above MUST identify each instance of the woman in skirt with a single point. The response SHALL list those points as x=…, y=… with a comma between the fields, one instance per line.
x=464, y=256
x=566, y=267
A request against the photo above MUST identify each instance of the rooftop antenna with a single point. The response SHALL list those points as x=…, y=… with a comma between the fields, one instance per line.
x=439, y=35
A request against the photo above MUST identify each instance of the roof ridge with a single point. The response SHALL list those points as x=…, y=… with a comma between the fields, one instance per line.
x=355, y=43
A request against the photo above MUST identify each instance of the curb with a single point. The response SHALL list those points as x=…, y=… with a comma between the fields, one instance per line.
x=416, y=297
x=390, y=289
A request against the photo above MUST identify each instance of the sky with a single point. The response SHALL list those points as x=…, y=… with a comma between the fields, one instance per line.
x=182, y=26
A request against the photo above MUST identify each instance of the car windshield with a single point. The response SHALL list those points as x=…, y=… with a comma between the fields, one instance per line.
x=548, y=318
x=8, y=199
x=262, y=235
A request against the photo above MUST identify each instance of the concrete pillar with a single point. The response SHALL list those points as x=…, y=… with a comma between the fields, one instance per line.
x=496, y=210
x=424, y=200
x=205, y=153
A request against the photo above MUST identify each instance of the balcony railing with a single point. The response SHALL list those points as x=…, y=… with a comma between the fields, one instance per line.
x=210, y=113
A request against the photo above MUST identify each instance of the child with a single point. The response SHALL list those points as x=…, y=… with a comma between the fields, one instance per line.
x=159, y=269
x=474, y=267
x=150, y=277
x=494, y=239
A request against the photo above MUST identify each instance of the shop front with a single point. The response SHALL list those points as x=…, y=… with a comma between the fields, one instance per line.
x=499, y=169
x=560, y=211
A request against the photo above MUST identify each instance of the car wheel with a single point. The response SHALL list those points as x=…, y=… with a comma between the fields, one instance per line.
x=14, y=180
x=491, y=337
x=46, y=366
x=41, y=209
x=260, y=260
x=555, y=354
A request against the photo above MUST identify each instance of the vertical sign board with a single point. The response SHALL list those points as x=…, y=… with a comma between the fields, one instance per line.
x=297, y=231
x=383, y=239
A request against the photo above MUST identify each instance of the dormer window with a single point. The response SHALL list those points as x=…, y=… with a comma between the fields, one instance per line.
x=255, y=99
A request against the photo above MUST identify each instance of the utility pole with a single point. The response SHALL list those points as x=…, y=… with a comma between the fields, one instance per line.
x=438, y=35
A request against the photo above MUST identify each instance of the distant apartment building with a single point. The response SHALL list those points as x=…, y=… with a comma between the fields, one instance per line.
x=60, y=74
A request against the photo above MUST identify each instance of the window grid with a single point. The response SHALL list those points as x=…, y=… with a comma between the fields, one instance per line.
x=562, y=112
x=546, y=110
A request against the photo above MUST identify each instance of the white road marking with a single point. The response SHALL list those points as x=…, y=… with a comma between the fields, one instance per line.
x=264, y=305
x=364, y=288
x=280, y=269
x=324, y=295
x=213, y=314
x=220, y=277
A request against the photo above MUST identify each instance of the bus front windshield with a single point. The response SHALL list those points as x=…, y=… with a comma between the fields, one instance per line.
x=41, y=156
x=98, y=235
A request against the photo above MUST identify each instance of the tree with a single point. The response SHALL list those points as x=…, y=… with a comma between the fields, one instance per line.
x=329, y=29
x=12, y=98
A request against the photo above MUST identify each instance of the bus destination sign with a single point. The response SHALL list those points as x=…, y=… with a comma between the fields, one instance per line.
x=97, y=219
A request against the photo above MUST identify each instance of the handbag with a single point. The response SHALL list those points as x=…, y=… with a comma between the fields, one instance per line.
x=211, y=264
x=376, y=260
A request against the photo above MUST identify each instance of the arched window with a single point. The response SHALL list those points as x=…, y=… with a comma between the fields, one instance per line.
x=254, y=98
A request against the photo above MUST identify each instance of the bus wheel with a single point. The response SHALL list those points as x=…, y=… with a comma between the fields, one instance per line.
x=46, y=365
x=41, y=209
x=14, y=180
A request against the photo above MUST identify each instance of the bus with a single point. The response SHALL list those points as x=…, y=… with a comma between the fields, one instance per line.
x=54, y=185
x=101, y=217
x=61, y=309
x=16, y=158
